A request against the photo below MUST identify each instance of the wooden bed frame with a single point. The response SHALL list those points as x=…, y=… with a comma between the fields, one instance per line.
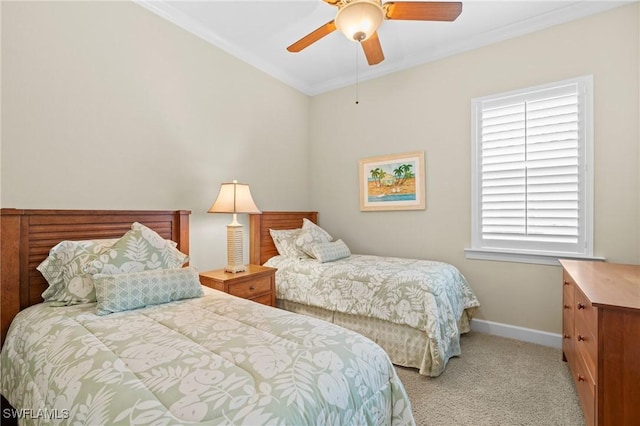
x=261, y=244
x=28, y=235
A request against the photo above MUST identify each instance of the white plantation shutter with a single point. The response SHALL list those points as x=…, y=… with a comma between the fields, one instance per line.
x=531, y=190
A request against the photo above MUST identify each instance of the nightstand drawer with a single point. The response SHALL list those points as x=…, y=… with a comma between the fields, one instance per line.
x=257, y=283
x=265, y=299
x=252, y=288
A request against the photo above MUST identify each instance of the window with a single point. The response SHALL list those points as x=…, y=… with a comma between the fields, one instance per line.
x=532, y=178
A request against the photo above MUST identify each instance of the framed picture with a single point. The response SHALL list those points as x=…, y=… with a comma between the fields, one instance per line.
x=392, y=182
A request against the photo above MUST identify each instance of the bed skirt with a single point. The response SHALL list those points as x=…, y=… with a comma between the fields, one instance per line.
x=406, y=346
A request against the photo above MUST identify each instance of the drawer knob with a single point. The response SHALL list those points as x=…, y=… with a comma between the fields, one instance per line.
x=566, y=336
x=253, y=287
x=567, y=307
x=580, y=378
x=566, y=282
x=581, y=338
x=580, y=306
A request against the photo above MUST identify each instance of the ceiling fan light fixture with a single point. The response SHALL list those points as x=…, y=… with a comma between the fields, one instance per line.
x=359, y=19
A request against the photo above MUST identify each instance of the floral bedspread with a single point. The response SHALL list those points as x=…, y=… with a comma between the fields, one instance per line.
x=422, y=294
x=216, y=360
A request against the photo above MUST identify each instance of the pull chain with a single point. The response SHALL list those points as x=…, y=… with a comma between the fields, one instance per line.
x=357, y=46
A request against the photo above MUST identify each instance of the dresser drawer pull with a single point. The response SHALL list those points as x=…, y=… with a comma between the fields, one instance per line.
x=567, y=307
x=566, y=282
x=581, y=338
x=253, y=287
x=581, y=306
x=566, y=336
x=581, y=378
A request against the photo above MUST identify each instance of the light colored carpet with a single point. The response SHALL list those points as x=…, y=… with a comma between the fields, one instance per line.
x=496, y=381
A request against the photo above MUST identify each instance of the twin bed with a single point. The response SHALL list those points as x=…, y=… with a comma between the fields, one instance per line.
x=206, y=359
x=414, y=309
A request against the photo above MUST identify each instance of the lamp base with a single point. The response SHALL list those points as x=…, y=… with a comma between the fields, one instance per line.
x=235, y=268
x=234, y=249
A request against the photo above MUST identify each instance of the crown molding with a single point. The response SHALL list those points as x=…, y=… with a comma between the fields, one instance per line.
x=572, y=11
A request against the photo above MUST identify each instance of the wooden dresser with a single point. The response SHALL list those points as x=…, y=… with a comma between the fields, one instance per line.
x=601, y=339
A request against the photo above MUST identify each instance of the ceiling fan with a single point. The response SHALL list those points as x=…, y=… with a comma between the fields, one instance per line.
x=359, y=20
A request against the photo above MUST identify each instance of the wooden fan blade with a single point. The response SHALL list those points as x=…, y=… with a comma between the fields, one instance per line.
x=422, y=10
x=331, y=2
x=312, y=37
x=373, y=50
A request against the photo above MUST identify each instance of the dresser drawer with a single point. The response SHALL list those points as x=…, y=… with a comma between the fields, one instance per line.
x=586, y=313
x=568, y=339
x=568, y=309
x=586, y=347
x=586, y=388
x=252, y=288
x=586, y=332
x=567, y=288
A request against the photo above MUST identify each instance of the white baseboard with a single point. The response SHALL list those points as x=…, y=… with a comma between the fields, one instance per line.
x=520, y=333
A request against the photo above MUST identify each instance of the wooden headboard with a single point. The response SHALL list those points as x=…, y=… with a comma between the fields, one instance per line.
x=28, y=235
x=261, y=245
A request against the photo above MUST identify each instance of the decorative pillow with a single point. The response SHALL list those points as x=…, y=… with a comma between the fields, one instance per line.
x=328, y=252
x=63, y=270
x=140, y=249
x=310, y=235
x=285, y=241
x=123, y=292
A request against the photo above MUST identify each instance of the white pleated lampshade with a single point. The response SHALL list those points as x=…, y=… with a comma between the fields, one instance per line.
x=234, y=197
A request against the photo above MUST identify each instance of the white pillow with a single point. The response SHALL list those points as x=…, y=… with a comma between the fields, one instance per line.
x=63, y=270
x=285, y=242
x=310, y=235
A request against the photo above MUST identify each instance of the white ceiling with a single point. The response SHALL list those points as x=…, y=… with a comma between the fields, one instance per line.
x=258, y=32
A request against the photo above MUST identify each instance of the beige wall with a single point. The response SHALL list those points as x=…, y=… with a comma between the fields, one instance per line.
x=428, y=108
x=179, y=116
x=108, y=106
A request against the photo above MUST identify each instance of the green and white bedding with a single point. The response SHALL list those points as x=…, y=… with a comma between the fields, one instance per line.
x=425, y=295
x=216, y=359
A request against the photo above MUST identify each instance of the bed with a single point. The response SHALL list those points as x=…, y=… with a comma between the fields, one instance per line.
x=415, y=309
x=206, y=359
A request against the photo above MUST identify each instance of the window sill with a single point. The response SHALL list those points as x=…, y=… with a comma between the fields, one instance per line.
x=524, y=257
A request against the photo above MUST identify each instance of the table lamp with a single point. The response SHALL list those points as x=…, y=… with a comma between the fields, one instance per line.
x=234, y=198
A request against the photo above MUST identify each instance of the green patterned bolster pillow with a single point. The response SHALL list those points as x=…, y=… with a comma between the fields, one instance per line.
x=123, y=292
x=328, y=252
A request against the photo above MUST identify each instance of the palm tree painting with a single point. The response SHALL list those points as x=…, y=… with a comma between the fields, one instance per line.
x=392, y=182
x=377, y=174
x=402, y=173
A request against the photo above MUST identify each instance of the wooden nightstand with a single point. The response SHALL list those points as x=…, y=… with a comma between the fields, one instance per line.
x=257, y=283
